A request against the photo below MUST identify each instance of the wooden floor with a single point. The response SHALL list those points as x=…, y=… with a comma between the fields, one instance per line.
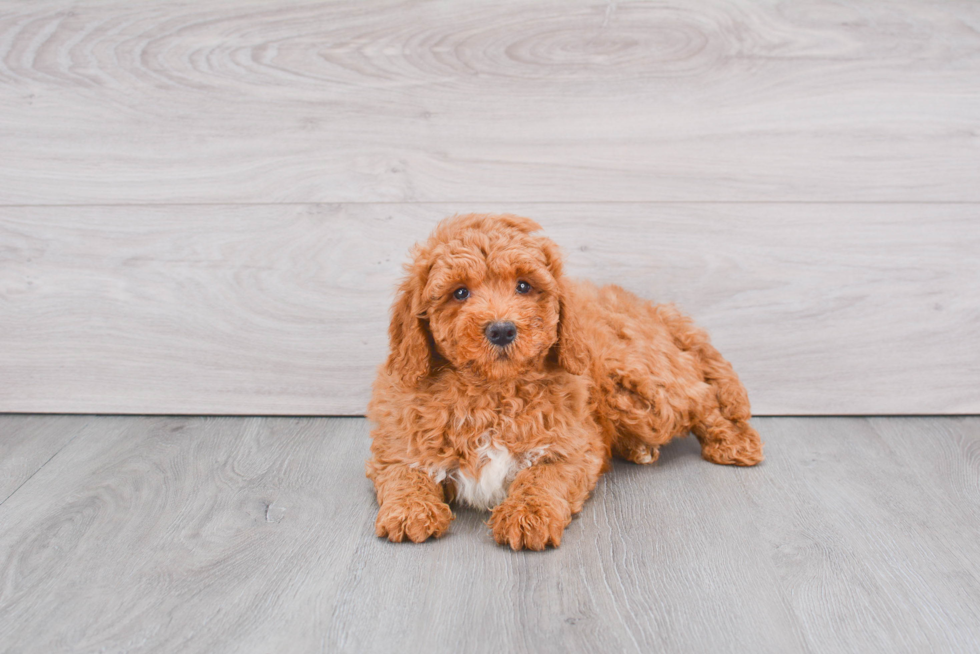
x=177, y=534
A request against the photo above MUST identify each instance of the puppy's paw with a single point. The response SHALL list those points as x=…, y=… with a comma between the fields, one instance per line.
x=414, y=519
x=642, y=454
x=743, y=452
x=531, y=522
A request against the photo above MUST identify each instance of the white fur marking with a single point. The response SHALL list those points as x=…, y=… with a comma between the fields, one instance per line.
x=489, y=488
x=493, y=479
x=437, y=474
x=535, y=455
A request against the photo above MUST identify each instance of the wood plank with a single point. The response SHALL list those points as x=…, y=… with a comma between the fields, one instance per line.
x=945, y=456
x=870, y=557
x=255, y=535
x=167, y=534
x=823, y=308
x=655, y=562
x=28, y=442
x=232, y=101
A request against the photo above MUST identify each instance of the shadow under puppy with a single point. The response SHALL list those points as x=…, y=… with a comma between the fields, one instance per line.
x=509, y=386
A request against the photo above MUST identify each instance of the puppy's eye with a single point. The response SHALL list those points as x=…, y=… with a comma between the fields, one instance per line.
x=523, y=287
x=461, y=293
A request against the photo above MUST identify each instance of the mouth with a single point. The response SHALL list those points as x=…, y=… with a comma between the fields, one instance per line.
x=500, y=352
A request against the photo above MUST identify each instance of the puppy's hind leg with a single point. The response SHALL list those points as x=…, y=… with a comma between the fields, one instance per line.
x=635, y=450
x=725, y=441
x=722, y=425
x=724, y=430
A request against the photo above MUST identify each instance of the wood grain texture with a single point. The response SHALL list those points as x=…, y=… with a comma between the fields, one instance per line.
x=255, y=535
x=199, y=533
x=167, y=101
x=824, y=309
x=28, y=442
x=871, y=555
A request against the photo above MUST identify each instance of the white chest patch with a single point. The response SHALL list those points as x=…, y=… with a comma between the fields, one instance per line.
x=489, y=488
x=493, y=479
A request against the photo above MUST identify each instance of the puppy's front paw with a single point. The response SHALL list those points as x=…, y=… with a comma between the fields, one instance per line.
x=531, y=522
x=415, y=519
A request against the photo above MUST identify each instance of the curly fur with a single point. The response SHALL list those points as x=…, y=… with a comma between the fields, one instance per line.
x=527, y=429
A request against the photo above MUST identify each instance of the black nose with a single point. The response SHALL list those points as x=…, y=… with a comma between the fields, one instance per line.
x=501, y=333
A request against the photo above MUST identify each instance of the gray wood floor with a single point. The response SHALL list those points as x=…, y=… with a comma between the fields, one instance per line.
x=166, y=534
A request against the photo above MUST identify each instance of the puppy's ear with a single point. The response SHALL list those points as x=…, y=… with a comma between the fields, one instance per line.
x=410, y=343
x=571, y=350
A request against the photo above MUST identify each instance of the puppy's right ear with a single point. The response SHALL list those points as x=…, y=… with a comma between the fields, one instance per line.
x=410, y=353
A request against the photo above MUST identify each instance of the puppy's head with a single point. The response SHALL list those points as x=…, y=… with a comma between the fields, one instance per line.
x=486, y=295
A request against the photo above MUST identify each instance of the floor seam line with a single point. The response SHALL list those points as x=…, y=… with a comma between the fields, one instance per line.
x=50, y=458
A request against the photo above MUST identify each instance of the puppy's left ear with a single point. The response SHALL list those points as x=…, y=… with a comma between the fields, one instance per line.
x=571, y=350
x=572, y=347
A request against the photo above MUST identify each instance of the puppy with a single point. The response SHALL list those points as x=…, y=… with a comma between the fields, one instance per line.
x=509, y=387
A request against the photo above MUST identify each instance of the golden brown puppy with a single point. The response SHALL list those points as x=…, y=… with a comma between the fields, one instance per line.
x=509, y=386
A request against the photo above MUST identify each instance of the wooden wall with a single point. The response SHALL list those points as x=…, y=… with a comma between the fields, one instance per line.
x=204, y=206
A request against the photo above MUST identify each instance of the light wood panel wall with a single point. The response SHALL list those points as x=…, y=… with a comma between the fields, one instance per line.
x=283, y=309
x=203, y=207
